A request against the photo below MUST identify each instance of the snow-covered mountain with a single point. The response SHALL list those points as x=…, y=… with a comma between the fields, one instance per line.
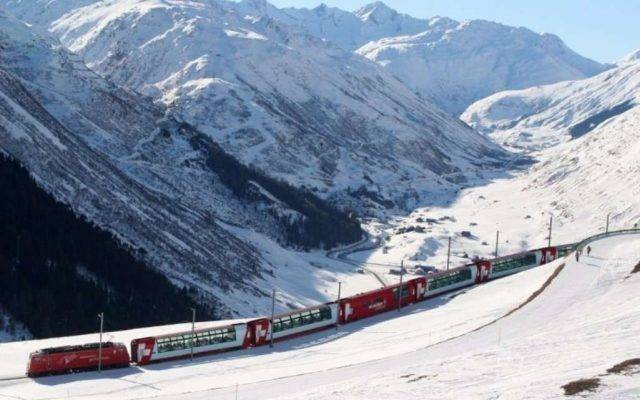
x=117, y=159
x=455, y=63
x=448, y=62
x=542, y=117
x=349, y=30
x=275, y=97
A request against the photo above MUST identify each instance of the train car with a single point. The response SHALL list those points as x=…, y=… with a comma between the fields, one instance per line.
x=565, y=250
x=65, y=359
x=179, y=345
x=450, y=280
x=377, y=301
x=509, y=265
x=305, y=321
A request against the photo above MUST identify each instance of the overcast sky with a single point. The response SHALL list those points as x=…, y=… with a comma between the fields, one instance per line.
x=604, y=30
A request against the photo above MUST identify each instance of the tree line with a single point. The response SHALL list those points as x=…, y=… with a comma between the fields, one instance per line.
x=58, y=270
x=323, y=225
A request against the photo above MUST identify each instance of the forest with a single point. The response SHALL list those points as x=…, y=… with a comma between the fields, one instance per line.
x=322, y=226
x=58, y=271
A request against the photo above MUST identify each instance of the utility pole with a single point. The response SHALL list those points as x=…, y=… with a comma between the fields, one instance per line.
x=338, y=304
x=607, y=228
x=497, y=241
x=550, y=230
x=449, y=253
x=193, y=330
x=101, y=316
x=400, y=287
x=273, y=313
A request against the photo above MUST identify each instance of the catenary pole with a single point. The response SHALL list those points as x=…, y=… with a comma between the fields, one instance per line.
x=497, y=241
x=400, y=287
x=273, y=313
x=607, y=228
x=193, y=329
x=550, y=229
x=101, y=316
x=338, y=304
x=449, y=253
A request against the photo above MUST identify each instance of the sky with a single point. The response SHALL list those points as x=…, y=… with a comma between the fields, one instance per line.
x=604, y=30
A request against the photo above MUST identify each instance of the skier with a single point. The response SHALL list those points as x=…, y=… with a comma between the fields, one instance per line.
x=588, y=250
x=577, y=255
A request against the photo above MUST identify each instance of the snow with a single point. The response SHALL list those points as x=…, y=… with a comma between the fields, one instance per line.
x=463, y=345
x=276, y=97
x=541, y=117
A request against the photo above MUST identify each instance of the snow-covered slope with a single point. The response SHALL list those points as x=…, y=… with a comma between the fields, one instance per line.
x=277, y=98
x=349, y=30
x=492, y=340
x=455, y=63
x=448, y=62
x=579, y=183
x=116, y=158
x=542, y=117
x=631, y=57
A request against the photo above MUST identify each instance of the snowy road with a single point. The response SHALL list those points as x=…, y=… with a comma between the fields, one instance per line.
x=585, y=321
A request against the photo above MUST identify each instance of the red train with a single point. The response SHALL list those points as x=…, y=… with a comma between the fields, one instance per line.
x=258, y=331
x=60, y=360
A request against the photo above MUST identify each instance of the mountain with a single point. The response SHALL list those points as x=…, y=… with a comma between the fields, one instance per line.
x=542, y=117
x=349, y=30
x=447, y=62
x=161, y=187
x=277, y=98
x=455, y=63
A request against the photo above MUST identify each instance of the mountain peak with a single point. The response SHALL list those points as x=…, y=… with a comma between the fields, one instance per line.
x=376, y=12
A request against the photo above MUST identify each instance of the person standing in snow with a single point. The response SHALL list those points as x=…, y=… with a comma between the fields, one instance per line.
x=577, y=255
x=588, y=250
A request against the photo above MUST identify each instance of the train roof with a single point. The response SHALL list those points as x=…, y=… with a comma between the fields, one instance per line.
x=79, y=347
x=301, y=310
x=199, y=330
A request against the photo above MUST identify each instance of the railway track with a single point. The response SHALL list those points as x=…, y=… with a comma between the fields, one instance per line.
x=365, y=244
x=12, y=378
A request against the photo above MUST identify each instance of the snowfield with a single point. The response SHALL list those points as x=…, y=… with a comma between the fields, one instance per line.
x=469, y=344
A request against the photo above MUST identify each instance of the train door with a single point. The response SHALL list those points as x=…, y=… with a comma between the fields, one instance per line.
x=258, y=332
x=421, y=288
x=549, y=255
x=484, y=271
x=346, y=311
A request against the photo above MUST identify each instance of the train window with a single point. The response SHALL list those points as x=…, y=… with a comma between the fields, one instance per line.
x=203, y=338
x=405, y=291
x=303, y=318
x=449, y=279
x=514, y=263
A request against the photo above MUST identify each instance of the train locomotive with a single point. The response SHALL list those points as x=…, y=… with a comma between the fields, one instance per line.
x=261, y=331
x=86, y=357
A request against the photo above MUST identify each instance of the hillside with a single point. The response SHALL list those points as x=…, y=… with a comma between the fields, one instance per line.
x=58, y=271
x=116, y=159
x=455, y=63
x=542, y=117
x=277, y=98
x=450, y=63
x=526, y=335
